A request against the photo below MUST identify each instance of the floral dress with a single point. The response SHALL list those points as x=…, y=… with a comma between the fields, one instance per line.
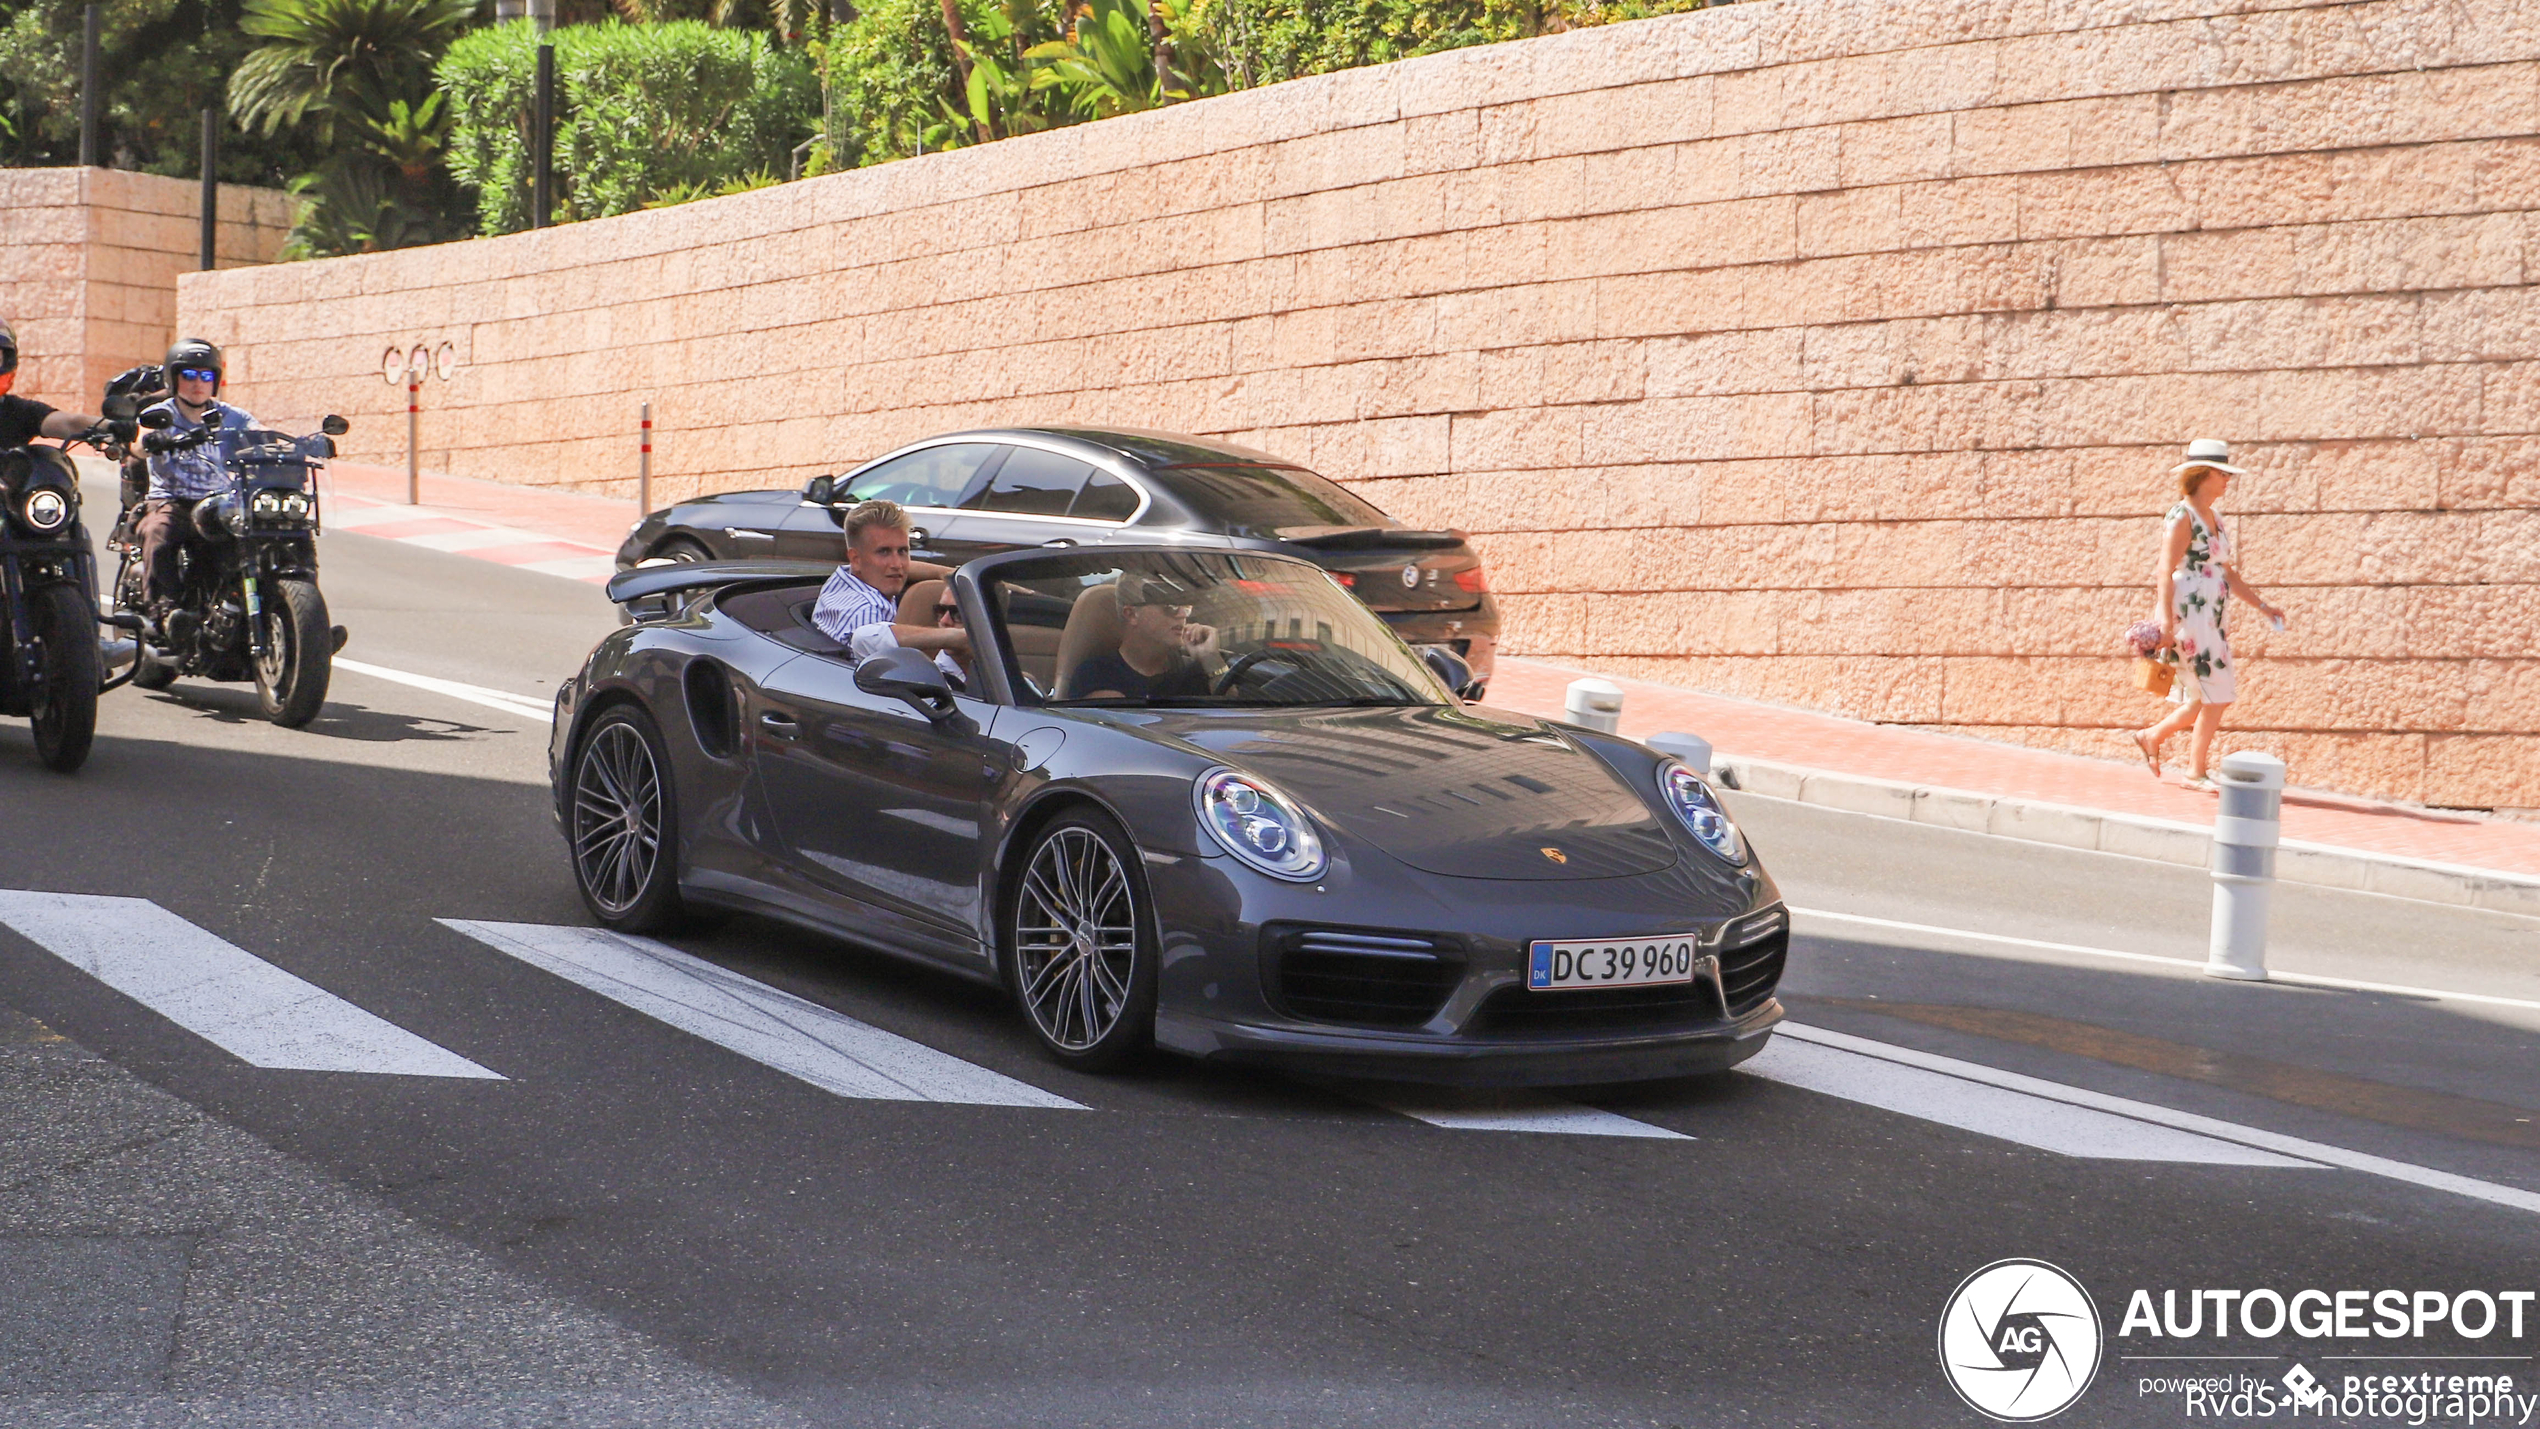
x=2198, y=594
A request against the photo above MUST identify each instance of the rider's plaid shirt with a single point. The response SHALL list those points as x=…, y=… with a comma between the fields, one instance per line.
x=197, y=472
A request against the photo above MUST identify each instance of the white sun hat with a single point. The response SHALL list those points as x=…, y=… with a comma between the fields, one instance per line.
x=2209, y=451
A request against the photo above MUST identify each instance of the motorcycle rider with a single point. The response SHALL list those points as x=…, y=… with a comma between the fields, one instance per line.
x=189, y=460
x=23, y=419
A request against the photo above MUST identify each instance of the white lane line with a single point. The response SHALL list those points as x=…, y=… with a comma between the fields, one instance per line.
x=236, y=1001
x=2340, y=984
x=802, y=1039
x=1797, y=1059
x=505, y=701
x=574, y=568
x=1515, y=1111
x=2251, y=1136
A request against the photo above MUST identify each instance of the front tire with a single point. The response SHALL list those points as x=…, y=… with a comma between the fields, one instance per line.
x=682, y=550
x=65, y=706
x=299, y=657
x=1081, y=951
x=624, y=822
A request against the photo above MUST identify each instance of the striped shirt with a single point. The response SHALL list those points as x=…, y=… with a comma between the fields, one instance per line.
x=197, y=472
x=847, y=607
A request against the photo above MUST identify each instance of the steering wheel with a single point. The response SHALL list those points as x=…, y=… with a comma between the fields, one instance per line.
x=1235, y=669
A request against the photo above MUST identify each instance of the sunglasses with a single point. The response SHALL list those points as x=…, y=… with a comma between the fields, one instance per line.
x=198, y=374
x=952, y=612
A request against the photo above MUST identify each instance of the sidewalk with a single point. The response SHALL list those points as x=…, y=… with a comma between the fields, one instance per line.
x=2057, y=798
x=2105, y=804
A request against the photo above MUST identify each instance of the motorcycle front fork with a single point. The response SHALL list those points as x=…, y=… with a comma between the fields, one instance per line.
x=257, y=645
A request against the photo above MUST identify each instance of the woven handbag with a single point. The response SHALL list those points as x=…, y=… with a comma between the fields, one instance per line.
x=2153, y=677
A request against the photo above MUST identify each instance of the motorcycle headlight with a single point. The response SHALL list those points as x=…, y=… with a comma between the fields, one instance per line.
x=47, y=509
x=1700, y=812
x=1260, y=826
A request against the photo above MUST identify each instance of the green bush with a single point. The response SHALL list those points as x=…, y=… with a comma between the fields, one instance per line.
x=643, y=112
x=891, y=75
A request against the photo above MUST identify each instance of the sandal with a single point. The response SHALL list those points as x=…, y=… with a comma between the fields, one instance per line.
x=2200, y=784
x=2151, y=752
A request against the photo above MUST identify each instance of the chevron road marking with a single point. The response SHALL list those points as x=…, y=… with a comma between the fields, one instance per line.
x=236, y=1001
x=802, y=1039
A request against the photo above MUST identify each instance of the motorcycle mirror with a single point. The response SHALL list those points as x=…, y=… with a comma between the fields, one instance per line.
x=119, y=408
x=156, y=418
x=334, y=426
x=819, y=489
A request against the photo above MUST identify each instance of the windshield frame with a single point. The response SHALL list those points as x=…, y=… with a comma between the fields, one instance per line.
x=978, y=581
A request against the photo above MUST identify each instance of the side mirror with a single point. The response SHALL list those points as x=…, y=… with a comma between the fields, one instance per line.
x=1450, y=668
x=818, y=490
x=156, y=418
x=913, y=676
x=334, y=426
x=119, y=408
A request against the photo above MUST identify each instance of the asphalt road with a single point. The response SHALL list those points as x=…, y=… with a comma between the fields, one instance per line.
x=633, y=1225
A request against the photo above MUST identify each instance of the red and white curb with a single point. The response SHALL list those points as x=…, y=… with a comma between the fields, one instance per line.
x=460, y=535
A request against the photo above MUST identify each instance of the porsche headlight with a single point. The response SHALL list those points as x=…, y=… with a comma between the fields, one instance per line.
x=1259, y=825
x=47, y=509
x=1699, y=810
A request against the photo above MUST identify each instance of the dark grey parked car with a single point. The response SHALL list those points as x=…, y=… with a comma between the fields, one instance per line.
x=1293, y=844
x=978, y=493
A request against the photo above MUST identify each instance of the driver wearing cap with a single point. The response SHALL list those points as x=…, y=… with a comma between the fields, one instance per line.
x=1161, y=654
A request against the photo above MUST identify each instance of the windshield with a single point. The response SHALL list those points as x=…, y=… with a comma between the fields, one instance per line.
x=1196, y=631
x=1262, y=501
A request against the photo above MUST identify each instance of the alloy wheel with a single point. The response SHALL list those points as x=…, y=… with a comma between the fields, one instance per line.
x=617, y=817
x=1075, y=939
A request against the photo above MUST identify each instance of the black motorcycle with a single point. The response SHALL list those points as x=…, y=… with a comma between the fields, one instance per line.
x=248, y=606
x=51, y=668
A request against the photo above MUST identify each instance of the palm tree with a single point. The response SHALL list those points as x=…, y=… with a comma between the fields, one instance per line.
x=321, y=57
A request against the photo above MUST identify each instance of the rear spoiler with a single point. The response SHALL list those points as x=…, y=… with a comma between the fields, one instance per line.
x=1349, y=538
x=643, y=581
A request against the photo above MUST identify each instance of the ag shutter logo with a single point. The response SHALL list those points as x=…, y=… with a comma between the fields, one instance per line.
x=2019, y=1340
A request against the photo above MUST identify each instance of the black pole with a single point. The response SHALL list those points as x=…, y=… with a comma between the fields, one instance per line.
x=211, y=186
x=88, y=88
x=542, y=127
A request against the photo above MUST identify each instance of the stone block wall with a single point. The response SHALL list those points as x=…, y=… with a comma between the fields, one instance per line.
x=1831, y=352
x=88, y=265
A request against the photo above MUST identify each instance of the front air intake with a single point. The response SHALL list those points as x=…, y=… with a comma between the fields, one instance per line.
x=1364, y=977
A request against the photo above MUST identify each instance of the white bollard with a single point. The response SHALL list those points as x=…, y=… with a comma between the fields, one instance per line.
x=2246, y=822
x=1693, y=749
x=1597, y=704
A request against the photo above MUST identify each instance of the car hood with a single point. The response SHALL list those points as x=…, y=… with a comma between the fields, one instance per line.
x=1469, y=793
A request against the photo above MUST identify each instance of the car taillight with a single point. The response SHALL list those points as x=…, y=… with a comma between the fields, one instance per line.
x=1346, y=579
x=1470, y=581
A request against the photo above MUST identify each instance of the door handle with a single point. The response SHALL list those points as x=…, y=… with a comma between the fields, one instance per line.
x=737, y=534
x=1059, y=541
x=781, y=726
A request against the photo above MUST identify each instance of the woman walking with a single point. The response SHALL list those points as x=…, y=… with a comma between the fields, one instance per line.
x=2192, y=591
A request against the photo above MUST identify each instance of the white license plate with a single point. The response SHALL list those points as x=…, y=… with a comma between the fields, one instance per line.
x=1612, y=962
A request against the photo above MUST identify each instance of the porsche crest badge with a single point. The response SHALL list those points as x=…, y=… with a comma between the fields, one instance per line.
x=1556, y=855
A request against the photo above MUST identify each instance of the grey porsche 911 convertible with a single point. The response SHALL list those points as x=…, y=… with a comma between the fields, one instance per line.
x=1200, y=800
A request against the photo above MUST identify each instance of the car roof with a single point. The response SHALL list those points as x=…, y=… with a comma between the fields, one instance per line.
x=1151, y=450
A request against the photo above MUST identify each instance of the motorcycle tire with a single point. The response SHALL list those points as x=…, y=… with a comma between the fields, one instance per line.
x=299, y=655
x=65, y=712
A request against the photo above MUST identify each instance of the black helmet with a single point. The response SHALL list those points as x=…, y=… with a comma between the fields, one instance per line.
x=8, y=348
x=193, y=352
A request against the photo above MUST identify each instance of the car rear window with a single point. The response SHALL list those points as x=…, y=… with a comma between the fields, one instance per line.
x=1261, y=500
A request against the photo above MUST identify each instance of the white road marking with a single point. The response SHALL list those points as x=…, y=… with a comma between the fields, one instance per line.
x=1798, y=1059
x=576, y=568
x=355, y=517
x=802, y=1039
x=2194, y=964
x=1517, y=1111
x=482, y=538
x=2250, y=1136
x=236, y=1001
x=505, y=701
